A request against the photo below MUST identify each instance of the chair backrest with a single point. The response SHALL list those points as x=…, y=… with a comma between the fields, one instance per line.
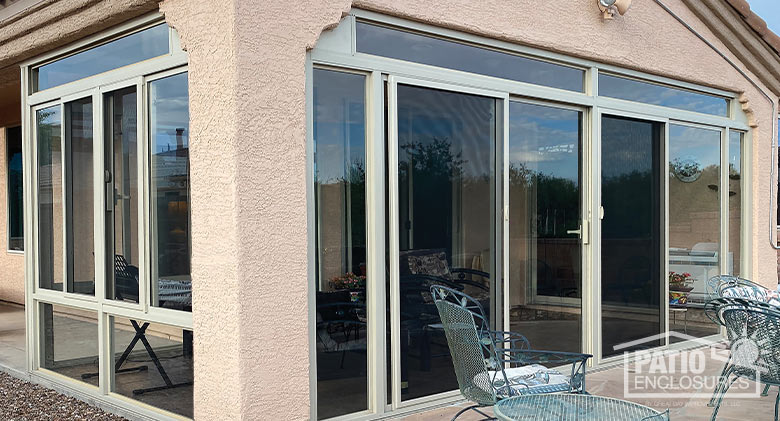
x=726, y=286
x=753, y=330
x=471, y=344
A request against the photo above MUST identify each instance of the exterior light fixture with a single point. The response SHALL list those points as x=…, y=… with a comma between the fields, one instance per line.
x=610, y=7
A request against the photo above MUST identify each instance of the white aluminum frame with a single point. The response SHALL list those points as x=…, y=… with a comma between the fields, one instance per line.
x=336, y=49
x=136, y=75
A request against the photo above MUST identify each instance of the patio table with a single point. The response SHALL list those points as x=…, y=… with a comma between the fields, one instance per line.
x=578, y=407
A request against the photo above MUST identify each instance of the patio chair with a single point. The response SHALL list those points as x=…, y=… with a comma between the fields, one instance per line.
x=753, y=330
x=494, y=365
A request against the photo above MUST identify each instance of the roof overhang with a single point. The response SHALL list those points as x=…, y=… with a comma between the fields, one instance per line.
x=745, y=35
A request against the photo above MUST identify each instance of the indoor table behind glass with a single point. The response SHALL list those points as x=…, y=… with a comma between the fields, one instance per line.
x=558, y=407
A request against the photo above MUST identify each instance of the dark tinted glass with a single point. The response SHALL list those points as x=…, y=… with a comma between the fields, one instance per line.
x=402, y=45
x=631, y=253
x=650, y=93
x=142, y=45
x=169, y=133
x=340, y=192
x=15, y=198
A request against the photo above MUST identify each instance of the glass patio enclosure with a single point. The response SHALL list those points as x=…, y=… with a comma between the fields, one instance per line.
x=585, y=206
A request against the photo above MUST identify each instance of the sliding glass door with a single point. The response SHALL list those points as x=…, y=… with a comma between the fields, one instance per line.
x=445, y=186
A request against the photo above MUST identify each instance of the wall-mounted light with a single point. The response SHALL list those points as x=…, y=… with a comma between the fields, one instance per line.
x=610, y=7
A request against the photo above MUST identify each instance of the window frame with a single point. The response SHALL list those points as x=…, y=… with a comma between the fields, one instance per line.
x=9, y=250
x=336, y=49
x=137, y=75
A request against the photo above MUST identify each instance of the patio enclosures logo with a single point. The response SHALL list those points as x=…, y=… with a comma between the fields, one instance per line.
x=690, y=373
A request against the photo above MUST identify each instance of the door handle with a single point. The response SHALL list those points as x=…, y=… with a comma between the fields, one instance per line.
x=583, y=232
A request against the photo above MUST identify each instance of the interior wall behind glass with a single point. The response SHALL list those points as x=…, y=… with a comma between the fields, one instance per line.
x=13, y=141
x=80, y=197
x=50, y=208
x=169, y=133
x=735, y=200
x=340, y=209
x=545, y=261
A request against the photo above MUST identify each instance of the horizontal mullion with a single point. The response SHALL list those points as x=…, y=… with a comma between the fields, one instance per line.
x=66, y=299
x=169, y=317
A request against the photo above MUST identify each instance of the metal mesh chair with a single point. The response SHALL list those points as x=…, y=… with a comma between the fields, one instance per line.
x=753, y=330
x=493, y=365
x=733, y=287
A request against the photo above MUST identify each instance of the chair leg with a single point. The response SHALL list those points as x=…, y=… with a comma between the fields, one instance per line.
x=777, y=401
x=766, y=391
x=476, y=409
x=724, y=374
x=726, y=387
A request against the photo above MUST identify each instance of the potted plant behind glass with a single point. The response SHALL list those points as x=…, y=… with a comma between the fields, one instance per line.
x=355, y=284
x=679, y=287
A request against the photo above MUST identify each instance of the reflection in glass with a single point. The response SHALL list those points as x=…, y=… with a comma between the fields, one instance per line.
x=153, y=363
x=79, y=198
x=69, y=342
x=446, y=210
x=340, y=192
x=169, y=134
x=544, y=203
x=735, y=200
x=694, y=225
x=15, y=189
x=121, y=154
x=631, y=233
x=142, y=45
x=650, y=93
x=50, y=230
x=408, y=46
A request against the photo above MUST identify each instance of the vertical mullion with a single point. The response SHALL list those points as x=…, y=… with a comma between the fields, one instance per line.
x=311, y=239
x=29, y=200
x=105, y=379
x=142, y=178
x=375, y=227
x=723, y=202
x=393, y=244
x=665, y=228
x=64, y=200
x=506, y=284
x=593, y=308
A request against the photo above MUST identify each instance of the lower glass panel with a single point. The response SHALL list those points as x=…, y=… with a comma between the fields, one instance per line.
x=69, y=342
x=694, y=226
x=545, y=260
x=631, y=250
x=446, y=210
x=153, y=364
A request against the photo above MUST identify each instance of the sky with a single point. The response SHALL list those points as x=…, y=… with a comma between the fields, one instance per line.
x=769, y=10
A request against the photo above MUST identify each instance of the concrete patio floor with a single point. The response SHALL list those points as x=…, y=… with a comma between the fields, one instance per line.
x=610, y=382
x=12, y=341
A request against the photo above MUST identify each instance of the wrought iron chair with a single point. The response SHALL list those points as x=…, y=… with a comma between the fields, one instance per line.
x=753, y=330
x=493, y=365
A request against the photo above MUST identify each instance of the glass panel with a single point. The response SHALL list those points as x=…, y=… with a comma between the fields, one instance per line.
x=735, y=201
x=15, y=189
x=169, y=122
x=121, y=159
x=142, y=45
x=153, y=364
x=694, y=225
x=408, y=46
x=50, y=229
x=340, y=191
x=545, y=261
x=651, y=93
x=80, y=194
x=631, y=237
x=69, y=342
x=446, y=207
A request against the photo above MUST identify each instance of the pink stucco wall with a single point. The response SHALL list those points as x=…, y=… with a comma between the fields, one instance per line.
x=11, y=263
x=247, y=84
